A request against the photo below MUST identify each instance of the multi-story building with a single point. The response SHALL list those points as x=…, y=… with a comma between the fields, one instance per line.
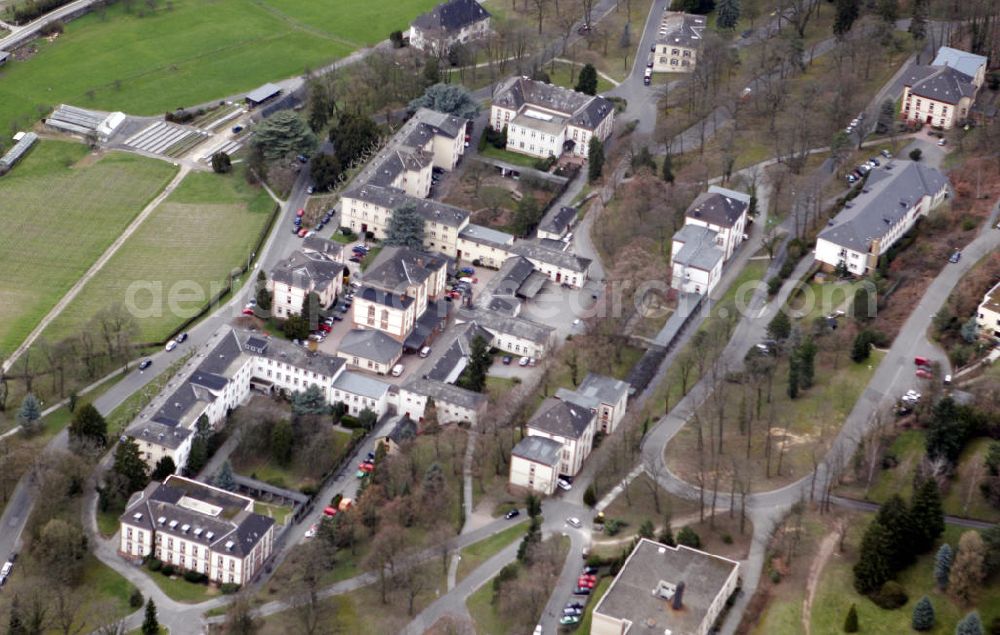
x=988, y=313
x=543, y=120
x=566, y=423
x=891, y=200
x=233, y=363
x=397, y=290
x=360, y=392
x=942, y=94
x=197, y=527
x=450, y=23
x=512, y=334
x=714, y=226
x=370, y=350
x=678, y=43
x=534, y=464
x=662, y=589
x=302, y=273
x=605, y=395
x=452, y=404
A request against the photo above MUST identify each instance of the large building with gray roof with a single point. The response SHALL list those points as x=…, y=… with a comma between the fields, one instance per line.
x=369, y=350
x=567, y=423
x=663, y=589
x=302, y=273
x=606, y=396
x=196, y=527
x=679, y=42
x=448, y=24
x=544, y=120
x=943, y=93
x=219, y=379
x=535, y=464
x=891, y=200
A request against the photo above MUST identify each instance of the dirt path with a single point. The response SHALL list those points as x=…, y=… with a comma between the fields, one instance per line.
x=94, y=268
x=826, y=548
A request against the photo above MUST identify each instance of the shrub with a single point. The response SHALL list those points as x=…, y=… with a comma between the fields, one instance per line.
x=135, y=600
x=612, y=526
x=168, y=570
x=229, y=588
x=590, y=496
x=727, y=538
x=155, y=564
x=689, y=538
x=851, y=621
x=891, y=596
x=195, y=577
x=775, y=576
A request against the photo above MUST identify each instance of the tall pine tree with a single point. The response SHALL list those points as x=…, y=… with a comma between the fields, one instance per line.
x=586, y=83
x=595, y=159
x=970, y=625
x=727, y=14
x=872, y=569
x=942, y=565
x=918, y=19
x=406, y=228
x=927, y=514
x=847, y=11
x=923, y=615
x=150, y=625
x=898, y=523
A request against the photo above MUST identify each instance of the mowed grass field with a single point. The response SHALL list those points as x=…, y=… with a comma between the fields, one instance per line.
x=185, y=250
x=60, y=208
x=187, y=52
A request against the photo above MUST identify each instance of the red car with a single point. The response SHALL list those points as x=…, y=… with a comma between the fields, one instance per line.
x=924, y=374
x=303, y=232
x=248, y=311
x=329, y=511
x=366, y=466
x=326, y=328
x=584, y=583
x=300, y=213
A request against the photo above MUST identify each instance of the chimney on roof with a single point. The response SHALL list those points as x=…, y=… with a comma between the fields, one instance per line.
x=678, y=601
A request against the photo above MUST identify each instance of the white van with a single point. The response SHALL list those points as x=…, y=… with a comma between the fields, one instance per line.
x=397, y=370
x=425, y=351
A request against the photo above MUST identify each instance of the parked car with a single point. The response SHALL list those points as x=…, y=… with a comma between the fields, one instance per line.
x=171, y=345
x=512, y=514
x=506, y=360
x=326, y=328
x=955, y=256
x=581, y=591
x=942, y=141
x=589, y=570
x=567, y=620
x=181, y=338
x=531, y=361
x=354, y=259
x=300, y=212
x=572, y=611
x=311, y=531
x=573, y=521
x=947, y=379
x=397, y=370
x=564, y=485
x=237, y=129
x=146, y=363
x=923, y=373
x=425, y=351
x=247, y=311
x=886, y=154
x=523, y=361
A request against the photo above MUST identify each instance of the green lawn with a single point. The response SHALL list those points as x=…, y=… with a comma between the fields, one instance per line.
x=106, y=584
x=294, y=476
x=476, y=554
x=595, y=598
x=178, y=258
x=513, y=158
x=180, y=589
x=60, y=209
x=187, y=52
x=835, y=593
x=484, y=614
x=559, y=73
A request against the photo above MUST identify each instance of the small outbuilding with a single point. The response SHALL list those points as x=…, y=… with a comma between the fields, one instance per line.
x=261, y=95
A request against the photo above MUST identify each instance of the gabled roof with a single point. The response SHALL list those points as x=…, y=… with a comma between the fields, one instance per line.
x=887, y=196
x=263, y=93
x=512, y=326
x=682, y=29
x=945, y=85
x=358, y=384
x=370, y=344
x=699, y=250
x=582, y=111
x=447, y=393
x=538, y=450
x=719, y=206
x=307, y=270
x=452, y=16
x=329, y=249
x=396, y=268
x=604, y=389
x=562, y=259
x=561, y=418
x=961, y=61
x=557, y=220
